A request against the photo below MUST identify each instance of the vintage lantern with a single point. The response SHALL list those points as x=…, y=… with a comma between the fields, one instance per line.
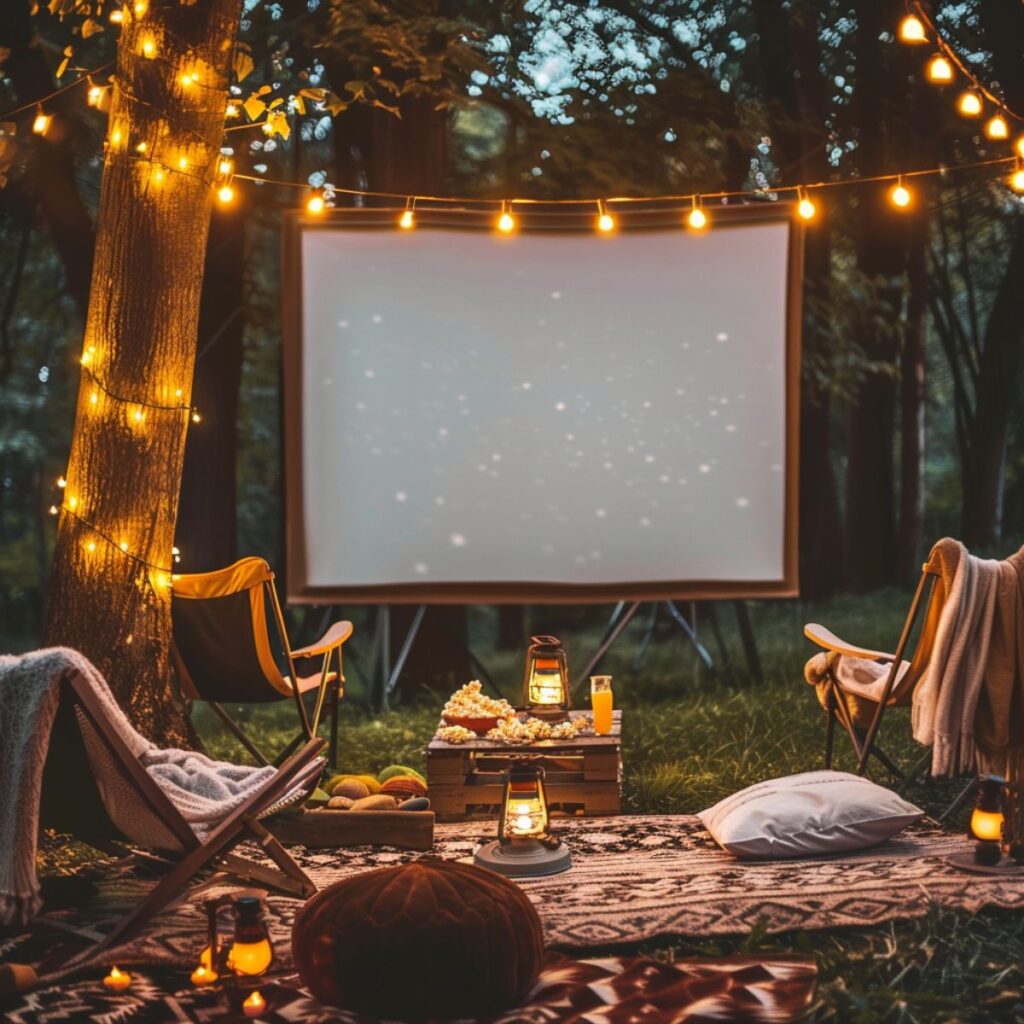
x=248, y=954
x=524, y=846
x=988, y=819
x=546, y=682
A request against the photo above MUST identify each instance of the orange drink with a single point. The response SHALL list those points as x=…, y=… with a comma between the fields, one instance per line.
x=601, y=702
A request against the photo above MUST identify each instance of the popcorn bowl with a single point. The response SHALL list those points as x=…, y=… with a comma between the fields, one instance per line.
x=481, y=726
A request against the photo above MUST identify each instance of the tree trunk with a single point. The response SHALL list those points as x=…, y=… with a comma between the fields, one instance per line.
x=995, y=399
x=208, y=517
x=124, y=473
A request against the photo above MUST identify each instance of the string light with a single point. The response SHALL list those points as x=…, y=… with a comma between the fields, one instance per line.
x=899, y=195
x=94, y=95
x=912, y=30
x=163, y=573
x=316, y=204
x=969, y=104
x=1016, y=180
x=231, y=110
x=225, y=165
x=149, y=47
x=116, y=16
x=605, y=221
x=997, y=128
x=697, y=219
x=939, y=70
x=140, y=8
x=805, y=207
x=41, y=122
x=226, y=194
x=506, y=222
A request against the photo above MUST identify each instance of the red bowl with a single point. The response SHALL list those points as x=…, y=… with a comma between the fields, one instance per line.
x=481, y=726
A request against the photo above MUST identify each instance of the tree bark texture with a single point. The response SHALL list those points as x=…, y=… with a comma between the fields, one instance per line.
x=125, y=466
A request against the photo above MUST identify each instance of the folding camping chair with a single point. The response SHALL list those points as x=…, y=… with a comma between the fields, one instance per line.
x=95, y=788
x=858, y=707
x=223, y=654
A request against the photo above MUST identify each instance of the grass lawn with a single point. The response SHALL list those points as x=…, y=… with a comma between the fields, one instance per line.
x=690, y=740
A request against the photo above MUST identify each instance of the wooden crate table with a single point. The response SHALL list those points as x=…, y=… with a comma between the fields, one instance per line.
x=582, y=776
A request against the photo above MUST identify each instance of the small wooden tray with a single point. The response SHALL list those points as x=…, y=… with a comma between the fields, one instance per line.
x=320, y=828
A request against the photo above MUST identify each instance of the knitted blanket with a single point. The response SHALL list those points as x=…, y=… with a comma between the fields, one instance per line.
x=203, y=790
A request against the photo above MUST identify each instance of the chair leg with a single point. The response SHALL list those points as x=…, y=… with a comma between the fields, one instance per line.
x=332, y=749
x=830, y=726
x=960, y=800
x=236, y=731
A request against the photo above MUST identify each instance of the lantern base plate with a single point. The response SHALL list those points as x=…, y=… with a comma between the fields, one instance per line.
x=547, y=714
x=966, y=862
x=523, y=859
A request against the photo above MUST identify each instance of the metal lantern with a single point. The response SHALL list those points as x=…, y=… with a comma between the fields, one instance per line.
x=989, y=814
x=248, y=954
x=524, y=846
x=546, y=682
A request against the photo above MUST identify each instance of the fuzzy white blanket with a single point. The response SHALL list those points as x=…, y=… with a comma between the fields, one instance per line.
x=203, y=790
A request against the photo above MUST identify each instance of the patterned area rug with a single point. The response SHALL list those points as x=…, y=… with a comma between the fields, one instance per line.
x=632, y=879
x=607, y=991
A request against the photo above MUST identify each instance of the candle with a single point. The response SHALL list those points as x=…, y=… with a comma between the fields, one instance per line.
x=254, y=1004
x=117, y=981
x=203, y=976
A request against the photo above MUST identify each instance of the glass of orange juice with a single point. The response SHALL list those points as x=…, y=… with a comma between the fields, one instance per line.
x=601, y=702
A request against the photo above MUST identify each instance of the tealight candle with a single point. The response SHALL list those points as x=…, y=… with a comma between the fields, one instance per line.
x=116, y=980
x=203, y=976
x=254, y=1004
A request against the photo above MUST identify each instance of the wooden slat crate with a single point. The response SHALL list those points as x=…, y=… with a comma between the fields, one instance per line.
x=583, y=776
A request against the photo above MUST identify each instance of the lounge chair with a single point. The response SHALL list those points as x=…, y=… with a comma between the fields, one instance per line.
x=95, y=788
x=223, y=653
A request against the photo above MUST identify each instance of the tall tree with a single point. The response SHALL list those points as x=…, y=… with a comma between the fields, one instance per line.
x=109, y=591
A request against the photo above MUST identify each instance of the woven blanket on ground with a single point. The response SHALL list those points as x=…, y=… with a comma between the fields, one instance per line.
x=632, y=879
x=607, y=991
x=203, y=790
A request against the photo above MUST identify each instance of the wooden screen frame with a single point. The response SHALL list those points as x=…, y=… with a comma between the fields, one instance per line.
x=540, y=218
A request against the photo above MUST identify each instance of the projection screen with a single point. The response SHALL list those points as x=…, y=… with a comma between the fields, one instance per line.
x=551, y=416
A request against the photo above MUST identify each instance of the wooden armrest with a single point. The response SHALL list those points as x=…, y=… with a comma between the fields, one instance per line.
x=830, y=642
x=334, y=637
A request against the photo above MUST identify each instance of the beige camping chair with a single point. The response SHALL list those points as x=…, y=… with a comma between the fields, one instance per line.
x=223, y=652
x=857, y=699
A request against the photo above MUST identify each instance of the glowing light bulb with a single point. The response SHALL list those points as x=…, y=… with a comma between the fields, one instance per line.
x=225, y=194
x=196, y=418
x=116, y=16
x=158, y=175
x=407, y=221
x=225, y=165
x=605, y=223
x=806, y=209
x=87, y=355
x=939, y=70
x=72, y=503
x=149, y=47
x=94, y=95
x=231, y=110
x=523, y=823
x=997, y=128
x=911, y=30
x=61, y=482
x=182, y=163
x=141, y=147
x=90, y=546
x=315, y=204
x=41, y=123
x=54, y=510
x=1017, y=180
x=123, y=545
x=138, y=416
x=900, y=196
x=140, y=8
x=94, y=398
x=506, y=223
x=697, y=219
x=178, y=393
x=115, y=137
x=969, y=104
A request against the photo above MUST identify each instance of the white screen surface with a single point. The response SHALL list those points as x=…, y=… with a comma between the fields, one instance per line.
x=548, y=408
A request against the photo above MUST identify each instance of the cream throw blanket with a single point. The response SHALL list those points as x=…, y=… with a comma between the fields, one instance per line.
x=203, y=790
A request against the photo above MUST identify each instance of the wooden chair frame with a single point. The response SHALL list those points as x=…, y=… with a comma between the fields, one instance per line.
x=864, y=742
x=329, y=691
x=216, y=850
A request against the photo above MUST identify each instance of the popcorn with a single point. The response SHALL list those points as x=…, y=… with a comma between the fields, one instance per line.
x=470, y=702
x=455, y=734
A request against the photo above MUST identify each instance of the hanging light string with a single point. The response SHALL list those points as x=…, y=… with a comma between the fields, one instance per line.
x=85, y=77
x=688, y=199
x=932, y=34
x=192, y=411
x=120, y=546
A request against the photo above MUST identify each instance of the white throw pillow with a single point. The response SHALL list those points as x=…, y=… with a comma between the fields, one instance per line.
x=807, y=814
